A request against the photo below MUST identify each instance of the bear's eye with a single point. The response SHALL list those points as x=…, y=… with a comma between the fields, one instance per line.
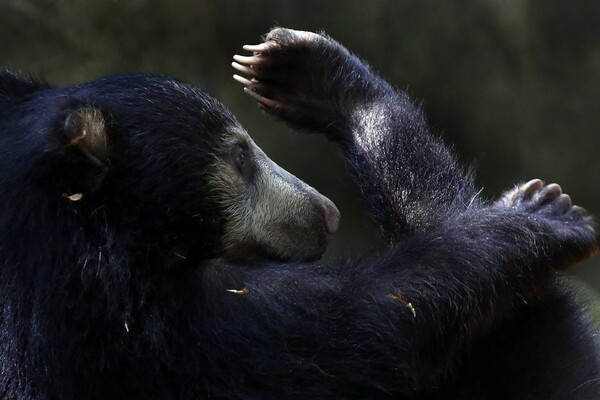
x=240, y=157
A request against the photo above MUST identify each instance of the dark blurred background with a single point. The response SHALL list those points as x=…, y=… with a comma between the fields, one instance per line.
x=514, y=85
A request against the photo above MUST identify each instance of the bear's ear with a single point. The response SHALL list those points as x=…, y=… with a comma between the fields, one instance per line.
x=86, y=129
x=14, y=89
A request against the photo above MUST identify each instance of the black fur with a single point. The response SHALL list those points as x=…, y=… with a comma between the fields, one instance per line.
x=119, y=295
x=541, y=348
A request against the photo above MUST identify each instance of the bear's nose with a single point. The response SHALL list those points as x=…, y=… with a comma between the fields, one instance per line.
x=331, y=215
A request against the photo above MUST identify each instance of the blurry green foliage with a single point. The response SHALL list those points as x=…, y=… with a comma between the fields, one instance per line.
x=514, y=84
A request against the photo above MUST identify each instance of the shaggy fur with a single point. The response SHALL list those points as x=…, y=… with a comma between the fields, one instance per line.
x=118, y=293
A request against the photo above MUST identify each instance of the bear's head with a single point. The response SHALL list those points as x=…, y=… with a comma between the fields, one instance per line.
x=155, y=161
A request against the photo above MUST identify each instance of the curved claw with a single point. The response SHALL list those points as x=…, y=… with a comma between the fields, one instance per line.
x=268, y=103
x=565, y=200
x=257, y=47
x=242, y=80
x=261, y=99
x=252, y=60
x=551, y=192
x=554, y=188
x=242, y=68
x=529, y=188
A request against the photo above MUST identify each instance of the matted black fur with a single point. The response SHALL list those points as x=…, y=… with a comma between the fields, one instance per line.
x=118, y=293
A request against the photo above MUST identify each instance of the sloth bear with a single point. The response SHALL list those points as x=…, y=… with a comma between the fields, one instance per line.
x=150, y=250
